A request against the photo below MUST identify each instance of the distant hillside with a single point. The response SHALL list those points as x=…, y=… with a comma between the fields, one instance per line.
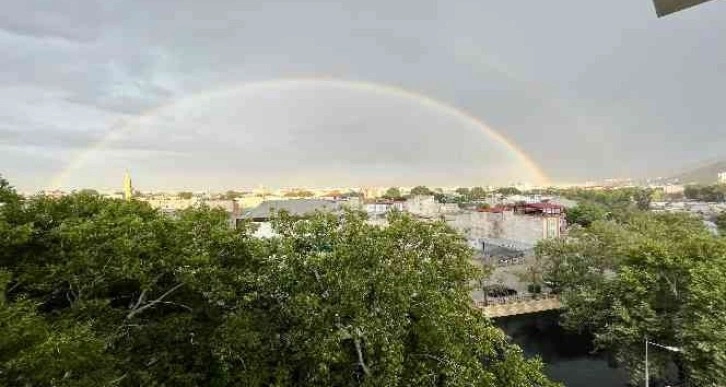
x=704, y=174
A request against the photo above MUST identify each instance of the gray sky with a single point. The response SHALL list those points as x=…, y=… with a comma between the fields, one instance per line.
x=587, y=89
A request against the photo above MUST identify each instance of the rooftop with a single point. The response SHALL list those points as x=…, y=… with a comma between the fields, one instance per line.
x=293, y=206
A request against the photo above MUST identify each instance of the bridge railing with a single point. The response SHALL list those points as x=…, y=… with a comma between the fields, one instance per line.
x=513, y=299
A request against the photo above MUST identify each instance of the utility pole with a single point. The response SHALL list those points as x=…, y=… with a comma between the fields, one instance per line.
x=666, y=347
x=647, y=382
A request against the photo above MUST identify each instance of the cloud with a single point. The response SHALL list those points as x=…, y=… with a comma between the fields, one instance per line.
x=625, y=92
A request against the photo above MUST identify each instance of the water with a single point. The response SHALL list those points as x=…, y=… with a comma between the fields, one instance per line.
x=568, y=356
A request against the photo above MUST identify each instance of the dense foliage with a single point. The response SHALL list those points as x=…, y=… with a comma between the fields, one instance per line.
x=720, y=222
x=586, y=213
x=107, y=292
x=706, y=193
x=299, y=194
x=393, y=193
x=420, y=190
x=613, y=200
x=655, y=276
x=594, y=205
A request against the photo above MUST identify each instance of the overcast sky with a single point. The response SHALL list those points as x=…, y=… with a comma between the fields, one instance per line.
x=587, y=89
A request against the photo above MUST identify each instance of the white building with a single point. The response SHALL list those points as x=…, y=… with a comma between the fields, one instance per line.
x=425, y=206
x=507, y=225
x=722, y=177
x=674, y=189
x=377, y=209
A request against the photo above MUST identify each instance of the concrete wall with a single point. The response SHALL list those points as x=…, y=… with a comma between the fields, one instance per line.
x=505, y=225
x=425, y=206
x=377, y=209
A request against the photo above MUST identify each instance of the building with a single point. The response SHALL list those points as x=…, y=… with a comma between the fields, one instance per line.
x=373, y=192
x=722, y=177
x=424, y=206
x=495, y=251
x=525, y=224
x=377, y=208
x=295, y=207
x=228, y=205
x=380, y=207
x=676, y=189
x=128, y=187
x=55, y=194
x=260, y=215
x=251, y=201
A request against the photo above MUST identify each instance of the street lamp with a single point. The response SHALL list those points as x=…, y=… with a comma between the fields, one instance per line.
x=666, y=347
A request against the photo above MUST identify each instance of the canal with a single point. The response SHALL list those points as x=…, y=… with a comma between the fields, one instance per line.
x=568, y=355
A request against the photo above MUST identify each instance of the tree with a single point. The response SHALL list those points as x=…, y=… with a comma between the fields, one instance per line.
x=585, y=213
x=508, y=191
x=299, y=194
x=7, y=193
x=352, y=194
x=463, y=192
x=392, y=193
x=421, y=191
x=231, y=195
x=642, y=198
x=384, y=315
x=185, y=195
x=107, y=292
x=721, y=223
x=334, y=194
x=706, y=193
x=88, y=191
x=648, y=275
x=477, y=193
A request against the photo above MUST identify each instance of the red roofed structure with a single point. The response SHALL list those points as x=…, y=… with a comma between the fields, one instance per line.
x=542, y=208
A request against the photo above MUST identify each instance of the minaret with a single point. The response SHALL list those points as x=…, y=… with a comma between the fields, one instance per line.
x=128, y=188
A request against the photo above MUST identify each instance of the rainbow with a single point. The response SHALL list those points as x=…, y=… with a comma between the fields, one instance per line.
x=125, y=127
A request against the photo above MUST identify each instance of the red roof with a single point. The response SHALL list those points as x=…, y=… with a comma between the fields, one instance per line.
x=544, y=206
x=497, y=209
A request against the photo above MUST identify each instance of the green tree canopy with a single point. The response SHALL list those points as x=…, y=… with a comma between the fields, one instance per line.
x=393, y=193
x=508, y=191
x=706, y=193
x=7, y=192
x=299, y=194
x=231, y=195
x=185, y=195
x=463, y=191
x=477, y=193
x=615, y=201
x=585, y=213
x=88, y=191
x=352, y=194
x=721, y=223
x=421, y=190
x=658, y=276
x=107, y=292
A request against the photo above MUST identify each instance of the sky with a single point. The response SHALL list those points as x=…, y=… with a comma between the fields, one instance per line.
x=226, y=94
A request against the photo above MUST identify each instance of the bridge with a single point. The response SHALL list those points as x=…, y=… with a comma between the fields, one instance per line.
x=514, y=305
x=512, y=274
